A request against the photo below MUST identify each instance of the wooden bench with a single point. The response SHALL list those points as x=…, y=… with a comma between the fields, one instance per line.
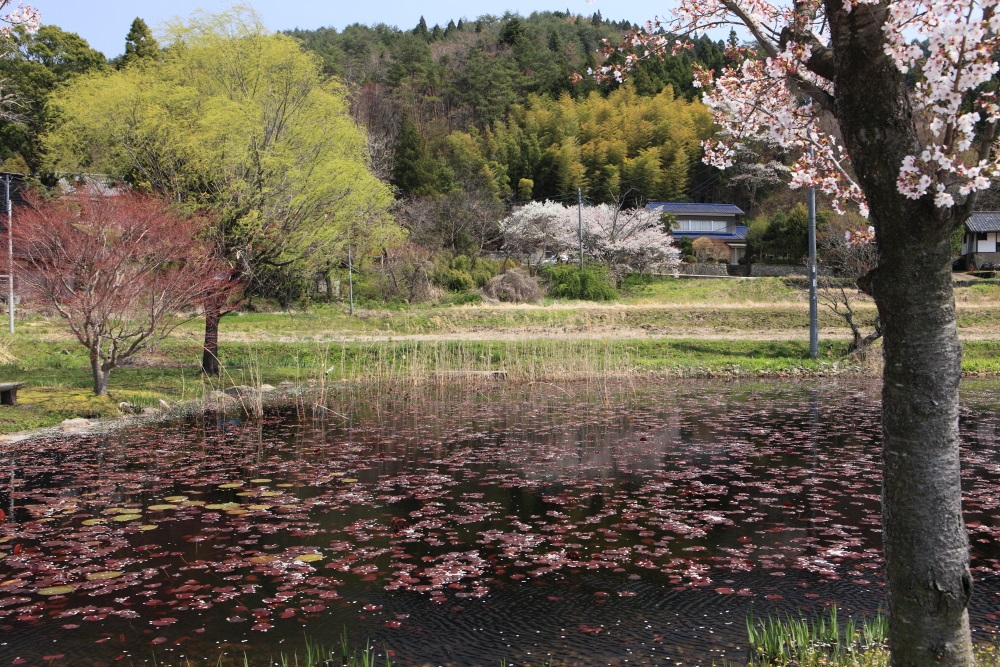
x=8, y=392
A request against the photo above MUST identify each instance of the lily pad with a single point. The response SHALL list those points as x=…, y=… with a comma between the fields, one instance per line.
x=175, y=499
x=160, y=508
x=260, y=480
x=56, y=590
x=127, y=517
x=263, y=559
x=309, y=558
x=99, y=576
x=231, y=485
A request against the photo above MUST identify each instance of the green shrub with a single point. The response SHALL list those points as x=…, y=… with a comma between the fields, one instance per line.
x=463, y=273
x=591, y=283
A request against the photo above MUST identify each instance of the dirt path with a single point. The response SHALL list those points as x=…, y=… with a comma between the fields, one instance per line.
x=593, y=333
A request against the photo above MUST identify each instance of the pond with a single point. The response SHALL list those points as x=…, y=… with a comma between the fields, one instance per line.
x=590, y=523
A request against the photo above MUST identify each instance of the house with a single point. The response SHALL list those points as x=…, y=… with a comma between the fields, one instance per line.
x=982, y=238
x=716, y=221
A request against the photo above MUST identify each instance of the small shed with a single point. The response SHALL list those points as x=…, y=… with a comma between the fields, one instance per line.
x=981, y=243
x=716, y=221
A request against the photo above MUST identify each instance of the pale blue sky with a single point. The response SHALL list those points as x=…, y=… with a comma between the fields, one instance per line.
x=104, y=23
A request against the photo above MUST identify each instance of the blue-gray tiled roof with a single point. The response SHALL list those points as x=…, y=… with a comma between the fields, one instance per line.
x=682, y=208
x=984, y=221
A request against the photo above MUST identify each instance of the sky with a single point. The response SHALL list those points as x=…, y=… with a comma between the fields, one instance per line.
x=104, y=23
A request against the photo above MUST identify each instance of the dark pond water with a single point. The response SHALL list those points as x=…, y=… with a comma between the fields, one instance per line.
x=591, y=524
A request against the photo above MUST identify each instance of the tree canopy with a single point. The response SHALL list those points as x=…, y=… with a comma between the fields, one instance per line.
x=38, y=62
x=236, y=121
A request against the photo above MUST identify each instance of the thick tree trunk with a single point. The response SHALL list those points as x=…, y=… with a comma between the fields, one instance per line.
x=210, y=356
x=926, y=546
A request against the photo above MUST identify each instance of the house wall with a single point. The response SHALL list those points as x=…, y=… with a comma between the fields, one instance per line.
x=989, y=244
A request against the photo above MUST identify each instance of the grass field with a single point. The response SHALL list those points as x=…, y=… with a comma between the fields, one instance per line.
x=672, y=327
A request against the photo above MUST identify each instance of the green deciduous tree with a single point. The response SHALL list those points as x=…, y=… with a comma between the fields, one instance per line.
x=238, y=121
x=35, y=66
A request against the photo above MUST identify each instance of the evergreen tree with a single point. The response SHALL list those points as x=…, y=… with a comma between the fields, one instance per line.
x=421, y=29
x=415, y=172
x=140, y=44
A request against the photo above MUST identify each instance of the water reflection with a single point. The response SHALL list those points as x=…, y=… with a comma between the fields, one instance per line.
x=467, y=525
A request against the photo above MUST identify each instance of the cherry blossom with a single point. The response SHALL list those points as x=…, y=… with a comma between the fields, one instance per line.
x=24, y=15
x=612, y=235
x=948, y=47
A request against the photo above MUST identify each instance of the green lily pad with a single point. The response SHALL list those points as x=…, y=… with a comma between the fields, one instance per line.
x=309, y=558
x=55, y=590
x=222, y=506
x=100, y=576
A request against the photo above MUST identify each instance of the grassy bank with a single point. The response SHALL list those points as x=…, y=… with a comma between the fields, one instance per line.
x=680, y=328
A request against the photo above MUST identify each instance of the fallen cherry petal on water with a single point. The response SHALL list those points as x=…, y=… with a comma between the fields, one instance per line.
x=158, y=640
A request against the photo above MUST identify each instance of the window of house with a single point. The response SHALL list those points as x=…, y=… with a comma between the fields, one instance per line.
x=703, y=225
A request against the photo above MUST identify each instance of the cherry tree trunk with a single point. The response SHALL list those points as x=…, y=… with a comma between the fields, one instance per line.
x=926, y=545
x=210, y=355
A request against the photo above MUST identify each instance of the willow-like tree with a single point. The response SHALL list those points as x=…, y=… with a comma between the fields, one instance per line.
x=891, y=104
x=238, y=121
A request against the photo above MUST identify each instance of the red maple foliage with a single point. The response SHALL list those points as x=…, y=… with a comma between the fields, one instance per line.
x=119, y=269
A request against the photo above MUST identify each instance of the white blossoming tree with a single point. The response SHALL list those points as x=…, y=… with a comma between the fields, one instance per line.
x=533, y=227
x=890, y=104
x=630, y=239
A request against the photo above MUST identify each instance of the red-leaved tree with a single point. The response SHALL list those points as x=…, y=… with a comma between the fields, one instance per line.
x=119, y=269
x=891, y=105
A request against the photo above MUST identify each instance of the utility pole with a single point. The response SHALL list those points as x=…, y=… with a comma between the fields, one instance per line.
x=579, y=219
x=350, y=274
x=10, y=258
x=813, y=298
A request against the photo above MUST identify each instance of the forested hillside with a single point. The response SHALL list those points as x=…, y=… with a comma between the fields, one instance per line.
x=462, y=123
x=490, y=106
